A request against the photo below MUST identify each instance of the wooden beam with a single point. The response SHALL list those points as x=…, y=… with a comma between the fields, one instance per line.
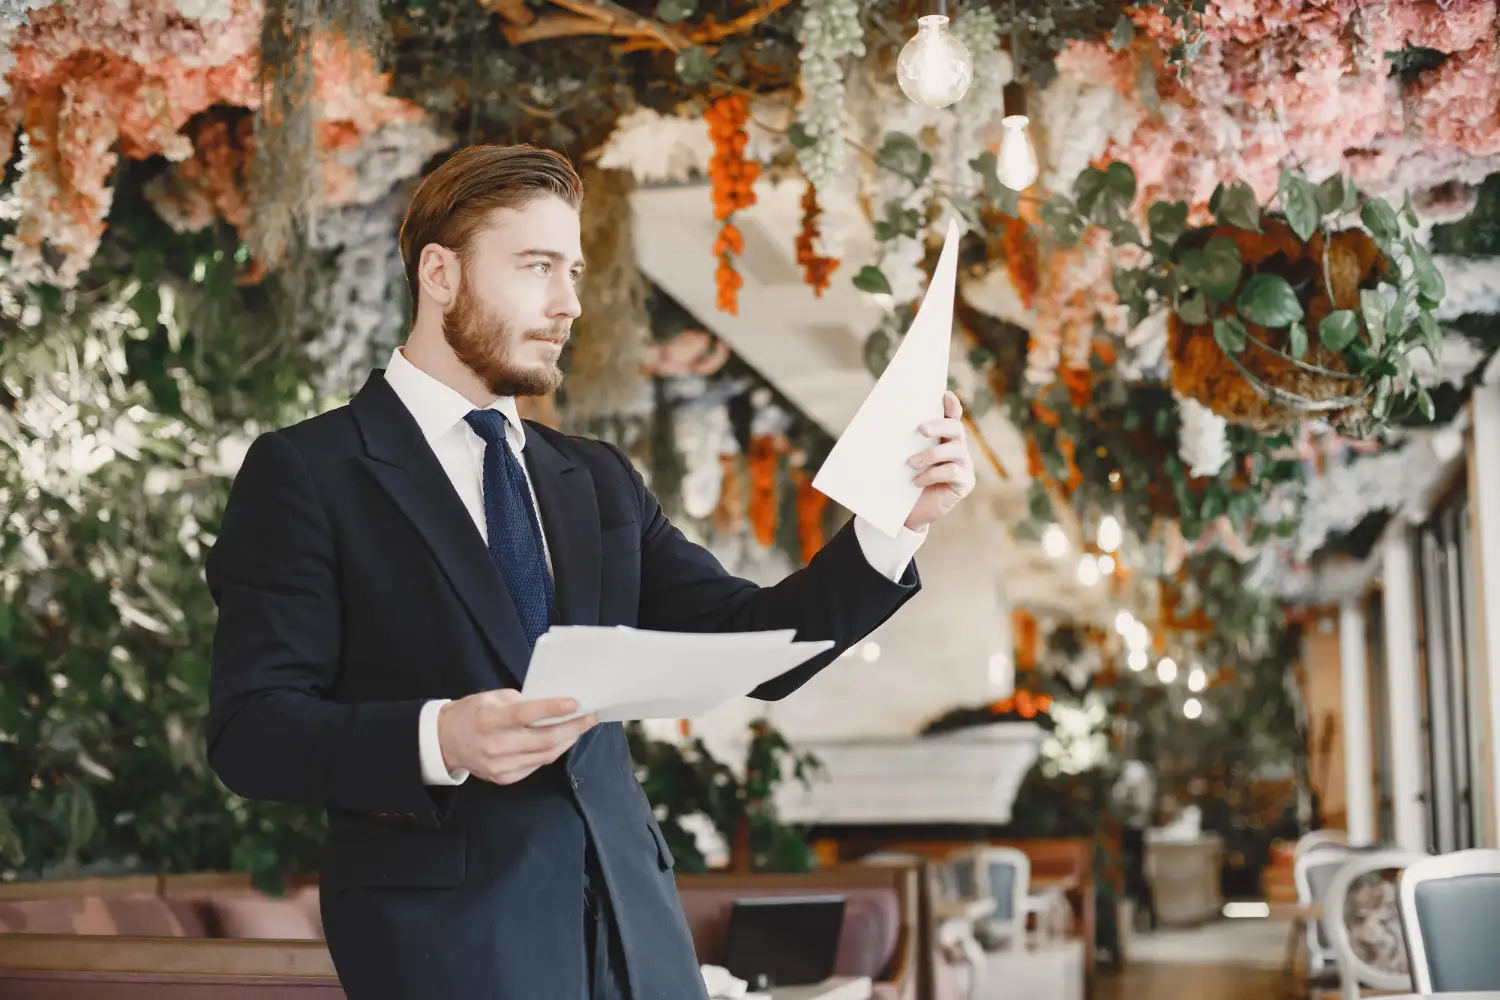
x=514, y=11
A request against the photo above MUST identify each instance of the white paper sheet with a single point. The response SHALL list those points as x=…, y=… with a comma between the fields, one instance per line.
x=867, y=470
x=624, y=674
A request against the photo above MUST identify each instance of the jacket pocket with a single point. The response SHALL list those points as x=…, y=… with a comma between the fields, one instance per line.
x=427, y=861
x=663, y=853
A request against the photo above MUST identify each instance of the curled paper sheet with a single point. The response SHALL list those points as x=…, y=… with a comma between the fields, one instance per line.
x=867, y=470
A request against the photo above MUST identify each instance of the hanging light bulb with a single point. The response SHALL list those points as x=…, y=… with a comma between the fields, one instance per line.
x=1124, y=623
x=934, y=68
x=1055, y=541
x=1108, y=536
x=1016, y=166
x=1197, y=679
x=1192, y=708
x=1137, y=660
x=1107, y=565
x=1166, y=670
x=1088, y=571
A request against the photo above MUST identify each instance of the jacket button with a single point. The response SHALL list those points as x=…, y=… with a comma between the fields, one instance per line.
x=575, y=781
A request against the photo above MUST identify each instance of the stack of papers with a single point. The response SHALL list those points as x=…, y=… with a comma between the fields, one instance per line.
x=624, y=674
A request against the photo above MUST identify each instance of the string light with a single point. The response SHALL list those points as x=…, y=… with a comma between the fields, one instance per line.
x=1106, y=565
x=1166, y=670
x=1055, y=541
x=1016, y=167
x=1192, y=708
x=934, y=68
x=1088, y=571
x=1197, y=679
x=1109, y=535
x=1137, y=660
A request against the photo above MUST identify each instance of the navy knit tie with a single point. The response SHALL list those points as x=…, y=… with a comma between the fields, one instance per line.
x=515, y=536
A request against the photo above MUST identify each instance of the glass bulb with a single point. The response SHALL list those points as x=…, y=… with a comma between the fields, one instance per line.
x=1166, y=670
x=1108, y=536
x=1197, y=679
x=934, y=68
x=1107, y=565
x=1017, y=166
x=1088, y=571
x=1137, y=660
x=1124, y=623
x=1192, y=708
x=1055, y=541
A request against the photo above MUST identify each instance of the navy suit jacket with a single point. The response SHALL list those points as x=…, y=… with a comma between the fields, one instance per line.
x=353, y=586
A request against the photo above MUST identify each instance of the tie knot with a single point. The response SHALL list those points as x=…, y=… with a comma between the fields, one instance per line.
x=488, y=424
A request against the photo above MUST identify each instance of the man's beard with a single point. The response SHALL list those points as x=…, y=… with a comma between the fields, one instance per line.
x=483, y=342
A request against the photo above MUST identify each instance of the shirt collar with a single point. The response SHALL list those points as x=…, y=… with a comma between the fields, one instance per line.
x=438, y=408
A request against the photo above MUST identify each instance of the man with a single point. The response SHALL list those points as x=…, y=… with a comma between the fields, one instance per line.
x=382, y=574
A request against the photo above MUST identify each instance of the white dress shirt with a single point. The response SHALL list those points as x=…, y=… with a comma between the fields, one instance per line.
x=440, y=410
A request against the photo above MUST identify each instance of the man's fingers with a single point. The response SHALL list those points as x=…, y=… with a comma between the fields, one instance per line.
x=949, y=472
x=947, y=429
x=948, y=451
x=952, y=408
x=524, y=713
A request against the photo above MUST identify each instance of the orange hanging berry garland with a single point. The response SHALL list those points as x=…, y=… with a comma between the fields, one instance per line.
x=816, y=271
x=733, y=178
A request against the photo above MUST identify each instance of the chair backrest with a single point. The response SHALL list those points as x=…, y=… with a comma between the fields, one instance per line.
x=1371, y=954
x=1311, y=873
x=1319, y=838
x=1450, y=907
x=1006, y=880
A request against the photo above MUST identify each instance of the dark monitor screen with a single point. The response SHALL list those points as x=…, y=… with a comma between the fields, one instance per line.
x=784, y=940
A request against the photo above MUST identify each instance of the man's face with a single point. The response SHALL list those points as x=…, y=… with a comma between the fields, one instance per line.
x=517, y=297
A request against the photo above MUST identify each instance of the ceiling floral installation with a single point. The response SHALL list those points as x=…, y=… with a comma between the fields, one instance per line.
x=1224, y=263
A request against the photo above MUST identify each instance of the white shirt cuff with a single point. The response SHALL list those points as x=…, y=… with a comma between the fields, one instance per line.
x=888, y=556
x=431, y=751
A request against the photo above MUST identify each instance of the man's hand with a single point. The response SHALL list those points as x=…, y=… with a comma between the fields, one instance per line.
x=944, y=471
x=489, y=734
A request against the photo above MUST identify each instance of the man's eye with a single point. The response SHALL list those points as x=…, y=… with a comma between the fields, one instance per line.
x=541, y=267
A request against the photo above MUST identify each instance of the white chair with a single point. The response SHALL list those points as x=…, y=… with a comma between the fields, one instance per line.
x=1381, y=930
x=1450, y=908
x=1312, y=871
x=1002, y=875
x=1319, y=838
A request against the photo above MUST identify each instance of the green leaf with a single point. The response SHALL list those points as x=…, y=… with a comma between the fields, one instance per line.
x=1125, y=233
x=1432, y=335
x=1235, y=205
x=1296, y=340
x=1168, y=221
x=1424, y=404
x=1331, y=195
x=1214, y=269
x=1373, y=305
x=1193, y=310
x=901, y=154
x=1380, y=409
x=1122, y=34
x=1338, y=329
x=1120, y=182
x=1300, y=200
x=1230, y=334
x=1088, y=188
x=871, y=279
x=673, y=11
x=1409, y=211
x=696, y=65
x=1063, y=223
x=1380, y=219
x=1430, y=284
x=1268, y=300
x=798, y=136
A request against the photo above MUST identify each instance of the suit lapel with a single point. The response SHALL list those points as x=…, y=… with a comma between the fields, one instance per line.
x=404, y=465
x=570, y=517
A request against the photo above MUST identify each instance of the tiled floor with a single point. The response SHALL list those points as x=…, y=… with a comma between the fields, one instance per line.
x=1226, y=960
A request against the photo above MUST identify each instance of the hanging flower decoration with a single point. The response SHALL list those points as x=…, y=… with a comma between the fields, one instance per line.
x=811, y=506
x=830, y=33
x=816, y=270
x=733, y=178
x=96, y=79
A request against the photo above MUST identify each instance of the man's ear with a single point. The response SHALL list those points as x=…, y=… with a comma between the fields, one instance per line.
x=439, y=275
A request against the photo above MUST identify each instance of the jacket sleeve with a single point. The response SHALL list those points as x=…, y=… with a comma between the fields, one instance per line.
x=837, y=596
x=272, y=731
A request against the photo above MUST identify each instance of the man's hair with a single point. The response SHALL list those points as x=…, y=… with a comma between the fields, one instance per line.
x=454, y=202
